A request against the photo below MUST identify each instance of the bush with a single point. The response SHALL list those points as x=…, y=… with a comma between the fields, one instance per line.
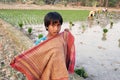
x=112, y=3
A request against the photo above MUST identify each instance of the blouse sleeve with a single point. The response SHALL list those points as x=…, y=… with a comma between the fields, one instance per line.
x=40, y=40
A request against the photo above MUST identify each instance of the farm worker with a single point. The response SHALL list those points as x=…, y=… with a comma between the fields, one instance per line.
x=91, y=15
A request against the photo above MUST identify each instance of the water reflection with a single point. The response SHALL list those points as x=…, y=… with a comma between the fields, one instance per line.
x=83, y=28
x=90, y=23
x=104, y=37
x=119, y=43
x=111, y=25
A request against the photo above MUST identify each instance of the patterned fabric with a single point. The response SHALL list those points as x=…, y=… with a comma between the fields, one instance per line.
x=70, y=57
x=49, y=59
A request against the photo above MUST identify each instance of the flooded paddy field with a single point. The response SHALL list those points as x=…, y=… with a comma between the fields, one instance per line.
x=97, y=52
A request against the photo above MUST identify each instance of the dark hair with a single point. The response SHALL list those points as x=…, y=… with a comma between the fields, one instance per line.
x=52, y=18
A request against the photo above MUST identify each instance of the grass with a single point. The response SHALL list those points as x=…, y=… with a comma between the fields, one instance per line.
x=36, y=16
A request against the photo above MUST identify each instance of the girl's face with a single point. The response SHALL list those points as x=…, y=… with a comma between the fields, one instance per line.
x=54, y=29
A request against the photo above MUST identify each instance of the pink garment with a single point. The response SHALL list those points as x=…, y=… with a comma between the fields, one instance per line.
x=50, y=60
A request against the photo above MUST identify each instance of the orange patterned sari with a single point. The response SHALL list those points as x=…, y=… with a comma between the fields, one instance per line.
x=52, y=59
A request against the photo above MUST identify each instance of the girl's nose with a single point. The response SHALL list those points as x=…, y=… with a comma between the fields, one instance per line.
x=56, y=28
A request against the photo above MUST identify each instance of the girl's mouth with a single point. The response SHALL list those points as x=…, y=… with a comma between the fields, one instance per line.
x=55, y=32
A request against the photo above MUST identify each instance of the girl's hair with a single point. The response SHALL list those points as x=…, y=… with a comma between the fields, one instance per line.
x=52, y=18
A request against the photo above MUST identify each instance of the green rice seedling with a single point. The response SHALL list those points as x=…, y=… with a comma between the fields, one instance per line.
x=70, y=22
x=20, y=25
x=104, y=34
x=40, y=36
x=71, y=25
x=2, y=63
x=30, y=30
x=105, y=30
x=98, y=22
x=81, y=72
x=31, y=15
x=111, y=24
x=83, y=28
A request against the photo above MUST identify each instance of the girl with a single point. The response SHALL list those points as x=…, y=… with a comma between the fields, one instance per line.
x=53, y=57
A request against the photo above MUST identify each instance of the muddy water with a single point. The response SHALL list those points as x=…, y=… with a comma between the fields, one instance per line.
x=100, y=58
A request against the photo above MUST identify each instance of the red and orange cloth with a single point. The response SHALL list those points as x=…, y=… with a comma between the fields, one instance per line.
x=52, y=59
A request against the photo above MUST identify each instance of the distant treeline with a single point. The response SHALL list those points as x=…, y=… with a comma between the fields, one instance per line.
x=97, y=3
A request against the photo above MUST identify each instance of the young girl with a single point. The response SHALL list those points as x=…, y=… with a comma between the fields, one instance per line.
x=53, y=57
x=52, y=22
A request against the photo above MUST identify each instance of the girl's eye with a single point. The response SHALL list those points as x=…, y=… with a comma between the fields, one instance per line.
x=58, y=25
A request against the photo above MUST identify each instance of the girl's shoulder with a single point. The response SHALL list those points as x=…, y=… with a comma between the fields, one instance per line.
x=40, y=40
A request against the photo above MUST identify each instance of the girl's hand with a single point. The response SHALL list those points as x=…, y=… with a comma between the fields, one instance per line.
x=66, y=30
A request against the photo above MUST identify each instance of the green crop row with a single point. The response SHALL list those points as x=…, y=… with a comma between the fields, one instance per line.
x=15, y=17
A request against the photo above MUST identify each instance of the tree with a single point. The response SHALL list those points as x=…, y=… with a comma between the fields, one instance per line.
x=106, y=5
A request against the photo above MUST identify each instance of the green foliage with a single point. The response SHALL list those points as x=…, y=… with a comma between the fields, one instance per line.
x=2, y=63
x=20, y=25
x=40, y=36
x=111, y=24
x=105, y=30
x=112, y=3
x=70, y=22
x=81, y=72
x=29, y=30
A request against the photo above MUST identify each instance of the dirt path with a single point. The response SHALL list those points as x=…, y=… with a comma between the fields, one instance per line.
x=8, y=50
x=51, y=7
